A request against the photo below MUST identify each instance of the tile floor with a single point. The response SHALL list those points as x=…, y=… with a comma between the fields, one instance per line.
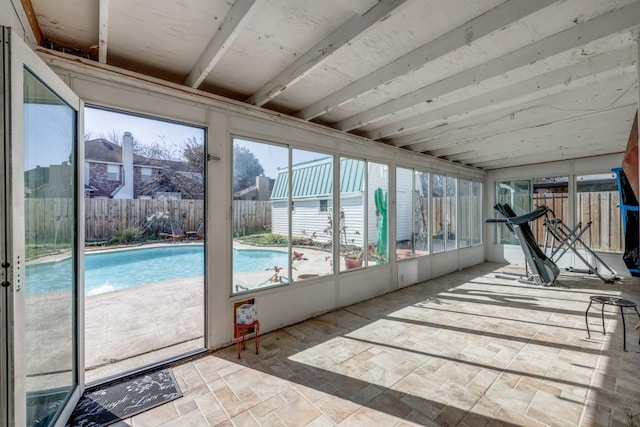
x=465, y=349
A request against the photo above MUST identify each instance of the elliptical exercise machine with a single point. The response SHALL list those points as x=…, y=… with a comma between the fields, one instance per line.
x=559, y=238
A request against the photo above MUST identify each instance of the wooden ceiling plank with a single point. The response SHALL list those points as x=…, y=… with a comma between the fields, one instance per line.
x=622, y=19
x=509, y=120
x=237, y=18
x=501, y=121
x=462, y=128
x=478, y=27
x=538, y=157
x=346, y=33
x=479, y=150
x=576, y=75
x=546, y=149
x=103, y=31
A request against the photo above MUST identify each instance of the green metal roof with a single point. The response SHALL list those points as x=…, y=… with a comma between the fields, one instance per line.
x=315, y=178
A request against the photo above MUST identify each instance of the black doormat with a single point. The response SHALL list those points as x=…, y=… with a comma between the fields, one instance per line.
x=123, y=399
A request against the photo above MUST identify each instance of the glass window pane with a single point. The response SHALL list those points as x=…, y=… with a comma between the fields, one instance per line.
x=477, y=221
x=378, y=205
x=552, y=192
x=404, y=213
x=596, y=198
x=50, y=247
x=421, y=213
x=312, y=194
x=451, y=213
x=260, y=215
x=464, y=211
x=516, y=194
x=352, y=213
x=438, y=213
x=113, y=173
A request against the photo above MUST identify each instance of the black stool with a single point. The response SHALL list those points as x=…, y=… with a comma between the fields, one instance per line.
x=615, y=301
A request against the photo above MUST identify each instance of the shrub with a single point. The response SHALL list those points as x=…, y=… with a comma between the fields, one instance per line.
x=126, y=236
x=156, y=223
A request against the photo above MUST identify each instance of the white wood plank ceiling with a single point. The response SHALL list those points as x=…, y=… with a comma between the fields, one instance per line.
x=486, y=83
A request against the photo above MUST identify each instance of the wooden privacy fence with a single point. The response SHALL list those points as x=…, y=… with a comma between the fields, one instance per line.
x=50, y=219
x=105, y=217
x=605, y=233
x=438, y=213
x=250, y=216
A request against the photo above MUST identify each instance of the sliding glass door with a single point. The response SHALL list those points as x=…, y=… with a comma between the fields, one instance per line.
x=40, y=231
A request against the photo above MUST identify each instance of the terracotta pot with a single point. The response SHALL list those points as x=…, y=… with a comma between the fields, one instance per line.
x=352, y=263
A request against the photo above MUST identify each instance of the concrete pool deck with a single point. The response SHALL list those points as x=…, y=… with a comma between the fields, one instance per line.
x=129, y=328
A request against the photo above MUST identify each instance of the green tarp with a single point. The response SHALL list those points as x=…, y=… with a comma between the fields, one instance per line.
x=382, y=244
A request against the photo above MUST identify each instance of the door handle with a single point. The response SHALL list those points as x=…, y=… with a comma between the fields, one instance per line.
x=5, y=283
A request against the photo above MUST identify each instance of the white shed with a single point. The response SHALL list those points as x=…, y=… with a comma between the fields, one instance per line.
x=312, y=199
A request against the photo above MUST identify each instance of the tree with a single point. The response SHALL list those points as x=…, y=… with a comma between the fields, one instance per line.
x=193, y=152
x=177, y=168
x=176, y=175
x=245, y=168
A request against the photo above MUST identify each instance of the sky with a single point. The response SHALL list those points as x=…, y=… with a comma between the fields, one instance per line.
x=272, y=156
x=49, y=133
x=98, y=122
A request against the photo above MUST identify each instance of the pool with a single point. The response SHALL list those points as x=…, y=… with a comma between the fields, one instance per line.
x=109, y=271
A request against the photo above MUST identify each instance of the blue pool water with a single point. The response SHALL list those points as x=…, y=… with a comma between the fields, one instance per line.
x=108, y=271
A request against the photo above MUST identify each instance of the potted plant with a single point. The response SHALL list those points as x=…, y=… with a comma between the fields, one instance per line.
x=352, y=254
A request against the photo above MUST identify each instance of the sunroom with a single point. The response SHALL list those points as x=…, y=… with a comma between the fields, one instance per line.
x=331, y=165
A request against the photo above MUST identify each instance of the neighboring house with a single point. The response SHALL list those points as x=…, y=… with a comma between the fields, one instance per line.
x=260, y=191
x=109, y=166
x=312, y=200
x=49, y=182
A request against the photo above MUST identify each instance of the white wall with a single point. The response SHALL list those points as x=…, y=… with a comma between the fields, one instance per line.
x=404, y=209
x=306, y=219
x=353, y=208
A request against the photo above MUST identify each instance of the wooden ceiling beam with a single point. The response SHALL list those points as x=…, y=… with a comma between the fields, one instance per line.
x=346, y=33
x=622, y=19
x=465, y=34
x=236, y=19
x=103, y=31
x=27, y=6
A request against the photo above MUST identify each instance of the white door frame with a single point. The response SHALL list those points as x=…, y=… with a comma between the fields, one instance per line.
x=4, y=291
x=21, y=57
